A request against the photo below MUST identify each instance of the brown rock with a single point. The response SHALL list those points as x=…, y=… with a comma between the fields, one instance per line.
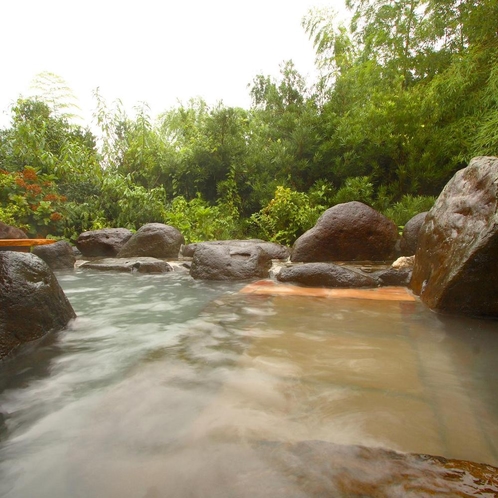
x=59, y=255
x=223, y=262
x=347, y=232
x=456, y=264
x=140, y=265
x=154, y=240
x=325, y=275
x=273, y=250
x=32, y=303
x=103, y=243
x=322, y=469
x=10, y=232
x=393, y=276
x=409, y=238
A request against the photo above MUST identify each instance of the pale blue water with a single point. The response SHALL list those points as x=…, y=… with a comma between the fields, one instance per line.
x=162, y=384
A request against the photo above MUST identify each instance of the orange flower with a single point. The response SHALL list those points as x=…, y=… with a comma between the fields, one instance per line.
x=56, y=216
x=30, y=174
x=35, y=189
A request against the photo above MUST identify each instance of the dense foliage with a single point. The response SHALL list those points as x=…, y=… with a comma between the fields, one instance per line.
x=408, y=94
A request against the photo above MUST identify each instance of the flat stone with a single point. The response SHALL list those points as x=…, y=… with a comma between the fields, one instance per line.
x=273, y=250
x=326, y=275
x=140, y=265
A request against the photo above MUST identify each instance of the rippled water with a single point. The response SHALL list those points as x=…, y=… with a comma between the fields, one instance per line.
x=163, y=386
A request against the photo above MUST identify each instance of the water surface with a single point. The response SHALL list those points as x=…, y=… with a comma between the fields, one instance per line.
x=164, y=386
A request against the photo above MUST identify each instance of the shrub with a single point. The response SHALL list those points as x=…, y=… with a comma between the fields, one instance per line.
x=198, y=221
x=31, y=202
x=287, y=216
x=408, y=207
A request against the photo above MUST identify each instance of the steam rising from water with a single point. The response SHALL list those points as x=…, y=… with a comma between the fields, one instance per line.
x=168, y=387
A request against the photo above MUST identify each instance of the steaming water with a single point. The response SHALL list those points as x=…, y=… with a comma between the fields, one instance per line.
x=164, y=386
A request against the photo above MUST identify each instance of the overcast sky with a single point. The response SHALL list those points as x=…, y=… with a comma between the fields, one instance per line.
x=157, y=51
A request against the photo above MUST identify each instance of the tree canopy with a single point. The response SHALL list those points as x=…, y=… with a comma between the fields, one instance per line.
x=407, y=94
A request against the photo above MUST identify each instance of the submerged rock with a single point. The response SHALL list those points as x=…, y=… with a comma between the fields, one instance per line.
x=347, y=232
x=154, y=240
x=325, y=275
x=456, y=264
x=105, y=243
x=223, y=262
x=140, y=265
x=59, y=255
x=319, y=469
x=32, y=303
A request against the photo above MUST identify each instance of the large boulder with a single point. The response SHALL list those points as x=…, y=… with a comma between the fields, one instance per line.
x=325, y=275
x=59, y=255
x=273, y=250
x=105, y=243
x=154, y=240
x=10, y=232
x=224, y=262
x=130, y=265
x=411, y=231
x=347, y=232
x=32, y=303
x=456, y=263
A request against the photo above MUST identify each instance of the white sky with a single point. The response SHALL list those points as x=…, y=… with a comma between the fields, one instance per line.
x=157, y=51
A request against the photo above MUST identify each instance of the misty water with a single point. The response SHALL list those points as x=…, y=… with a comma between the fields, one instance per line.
x=164, y=386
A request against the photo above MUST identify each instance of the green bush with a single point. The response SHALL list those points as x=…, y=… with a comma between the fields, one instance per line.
x=287, y=216
x=408, y=207
x=198, y=221
x=358, y=188
x=31, y=202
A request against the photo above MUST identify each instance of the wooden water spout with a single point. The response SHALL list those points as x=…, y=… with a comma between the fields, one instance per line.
x=24, y=244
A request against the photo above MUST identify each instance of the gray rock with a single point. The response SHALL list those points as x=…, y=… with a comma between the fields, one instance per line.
x=103, y=243
x=409, y=238
x=392, y=276
x=140, y=265
x=325, y=275
x=223, y=262
x=10, y=232
x=32, y=303
x=154, y=240
x=273, y=250
x=456, y=264
x=347, y=232
x=59, y=255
